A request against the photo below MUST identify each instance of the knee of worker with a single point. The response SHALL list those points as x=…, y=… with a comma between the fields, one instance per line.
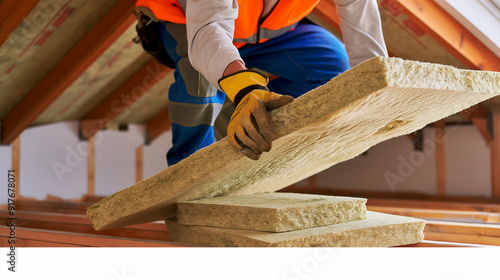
x=317, y=72
x=324, y=67
x=303, y=70
x=193, y=114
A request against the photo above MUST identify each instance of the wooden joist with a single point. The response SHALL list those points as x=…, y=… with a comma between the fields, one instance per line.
x=440, y=157
x=487, y=234
x=438, y=214
x=428, y=243
x=495, y=157
x=12, y=14
x=16, y=165
x=80, y=224
x=50, y=238
x=91, y=166
x=410, y=199
x=445, y=205
x=66, y=207
x=437, y=233
x=139, y=159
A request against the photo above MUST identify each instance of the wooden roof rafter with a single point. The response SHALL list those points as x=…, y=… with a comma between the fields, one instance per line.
x=112, y=25
x=122, y=98
x=452, y=35
x=12, y=14
x=481, y=117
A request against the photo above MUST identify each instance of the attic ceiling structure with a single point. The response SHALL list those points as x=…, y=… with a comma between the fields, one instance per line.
x=74, y=60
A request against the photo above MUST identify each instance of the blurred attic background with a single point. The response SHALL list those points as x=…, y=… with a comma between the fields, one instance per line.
x=83, y=110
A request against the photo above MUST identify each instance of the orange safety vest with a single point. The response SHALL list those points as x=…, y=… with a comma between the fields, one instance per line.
x=249, y=28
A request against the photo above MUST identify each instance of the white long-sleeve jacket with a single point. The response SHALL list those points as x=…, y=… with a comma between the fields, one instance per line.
x=210, y=26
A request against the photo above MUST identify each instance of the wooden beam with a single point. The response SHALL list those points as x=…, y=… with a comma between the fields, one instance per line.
x=478, y=115
x=313, y=182
x=410, y=200
x=34, y=237
x=487, y=234
x=444, y=205
x=52, y=206
x=429, y=243
x=16, y=165
x=12, y=14
x=91, y=166
x=116, y=21
x=327, y=11
x=440, y=158
x=449, y=215
x=452, y=35
x=91, y=198
x=157, y=125
x=138, y=163
x=122, y=98
x=495, y=157
x=79, y=223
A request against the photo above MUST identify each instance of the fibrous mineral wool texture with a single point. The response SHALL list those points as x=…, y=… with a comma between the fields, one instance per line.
x=274, y=212
x=377, y=100
x=377, y=230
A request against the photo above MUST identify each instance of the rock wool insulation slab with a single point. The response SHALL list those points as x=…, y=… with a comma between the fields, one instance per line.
x=273, y=212
x=377, y=100
x=377, y=230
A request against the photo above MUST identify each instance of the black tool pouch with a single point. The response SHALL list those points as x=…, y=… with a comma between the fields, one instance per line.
x=147, y=36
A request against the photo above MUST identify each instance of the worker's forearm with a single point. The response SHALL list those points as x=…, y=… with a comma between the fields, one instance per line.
x=234, y=67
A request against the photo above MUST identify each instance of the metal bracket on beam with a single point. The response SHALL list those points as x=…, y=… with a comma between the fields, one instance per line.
x=417, y=138
x=123, y=127
x=147, y=138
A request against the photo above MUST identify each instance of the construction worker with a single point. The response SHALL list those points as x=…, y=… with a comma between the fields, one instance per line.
x=213, y=45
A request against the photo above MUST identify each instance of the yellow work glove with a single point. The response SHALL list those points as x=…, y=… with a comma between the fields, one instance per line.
x=250, y=129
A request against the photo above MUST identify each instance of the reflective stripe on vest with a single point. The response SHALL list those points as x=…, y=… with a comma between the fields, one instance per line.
x=249, y=27
x=265, y=34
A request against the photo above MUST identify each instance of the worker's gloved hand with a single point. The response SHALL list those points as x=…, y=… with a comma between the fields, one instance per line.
x=250, y=129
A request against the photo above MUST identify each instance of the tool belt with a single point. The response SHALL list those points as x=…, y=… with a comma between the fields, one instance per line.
x=147, y=36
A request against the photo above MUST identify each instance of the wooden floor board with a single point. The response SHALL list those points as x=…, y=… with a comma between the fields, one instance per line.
x=29, y=237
